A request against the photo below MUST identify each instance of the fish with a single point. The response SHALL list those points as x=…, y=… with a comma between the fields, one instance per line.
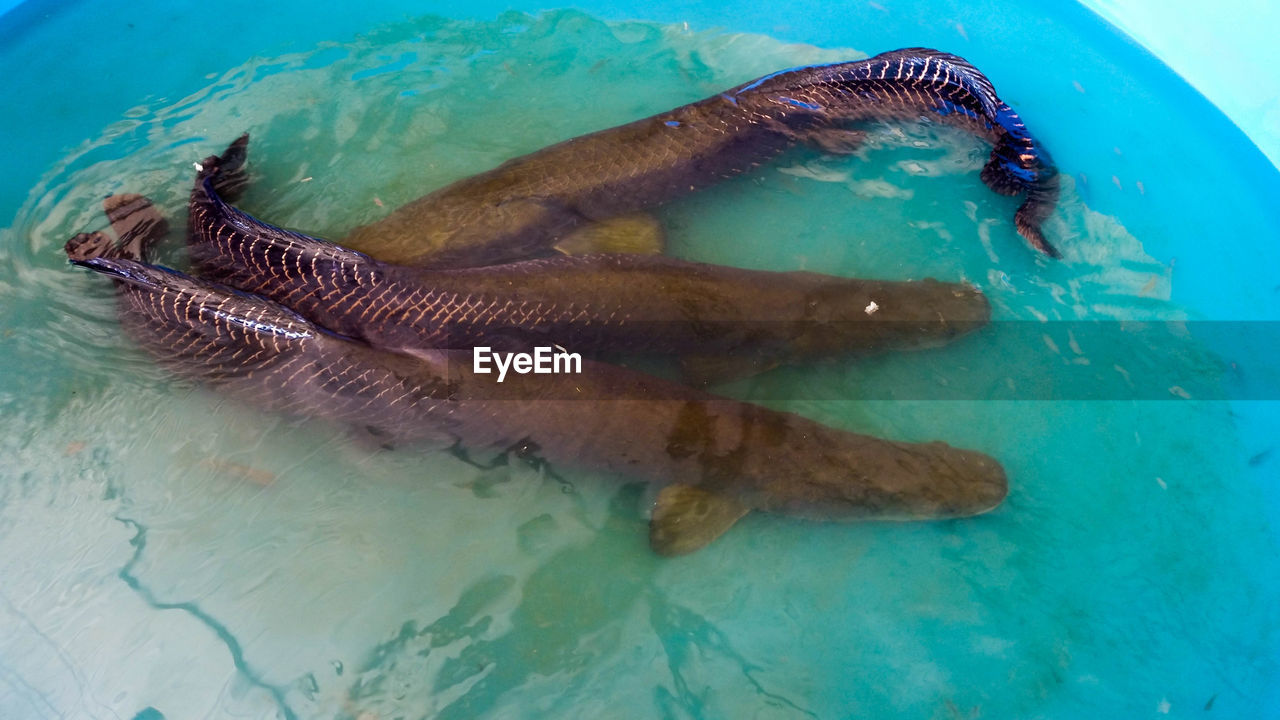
x=717, y=459
x=531, y=204
x=724, y=322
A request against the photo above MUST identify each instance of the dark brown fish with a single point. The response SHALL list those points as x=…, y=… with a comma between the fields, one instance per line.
x=530, y=204
x=724, y=321
x=718, y=458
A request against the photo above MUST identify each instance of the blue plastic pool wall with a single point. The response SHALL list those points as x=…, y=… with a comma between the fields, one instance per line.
x=1200, y=225
x=1225, y=50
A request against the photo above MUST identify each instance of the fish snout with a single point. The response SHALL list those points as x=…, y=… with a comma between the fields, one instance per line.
x=968, y=482
x=963, y=303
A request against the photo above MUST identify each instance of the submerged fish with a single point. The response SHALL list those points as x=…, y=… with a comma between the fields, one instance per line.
x=725, y=321
x=718, y=458
x=530, y=204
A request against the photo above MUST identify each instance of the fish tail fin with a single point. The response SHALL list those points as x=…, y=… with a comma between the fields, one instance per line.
x=998, y=178
x=1039, y=204
x=226, y=172
x=1019, y=164
x=87, y=246
x=137, y=222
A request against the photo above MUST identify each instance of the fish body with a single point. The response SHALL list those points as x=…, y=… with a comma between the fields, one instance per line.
x=527, y=205
x=718, y=458
x=606, y=303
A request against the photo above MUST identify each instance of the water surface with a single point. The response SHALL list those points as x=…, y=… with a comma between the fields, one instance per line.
x=166, y=552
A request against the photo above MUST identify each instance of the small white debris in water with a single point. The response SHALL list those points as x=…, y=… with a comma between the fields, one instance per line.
x=199, y=167
x=1163, y=485
x=1163, y=706
x=872, y=307
x=306, y=179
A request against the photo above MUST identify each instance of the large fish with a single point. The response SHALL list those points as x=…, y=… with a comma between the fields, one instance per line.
x=724, y=321
x=717, y=458
x=532, y=203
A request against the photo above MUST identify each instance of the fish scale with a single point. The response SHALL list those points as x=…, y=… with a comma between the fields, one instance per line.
x=527, y=205
x=594, y=304
x=718, y=458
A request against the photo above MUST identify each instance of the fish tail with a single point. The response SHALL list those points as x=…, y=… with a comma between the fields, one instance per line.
x=1039, y=204
x=87, y=246
x=137, y=222
x=923, y=79
x=226, y=172
x=1019, y=164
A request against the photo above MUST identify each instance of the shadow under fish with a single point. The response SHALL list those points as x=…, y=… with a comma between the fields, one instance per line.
x=571, y=193
x=723, y=322
x=718, y=458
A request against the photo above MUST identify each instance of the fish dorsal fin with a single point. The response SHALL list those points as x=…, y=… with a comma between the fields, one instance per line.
x=637, y=234
x=685, y=518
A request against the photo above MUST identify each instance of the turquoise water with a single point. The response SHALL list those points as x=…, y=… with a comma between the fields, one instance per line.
x=167, y=553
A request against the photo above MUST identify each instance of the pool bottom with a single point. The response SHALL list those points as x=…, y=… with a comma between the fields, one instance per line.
x=165, y=549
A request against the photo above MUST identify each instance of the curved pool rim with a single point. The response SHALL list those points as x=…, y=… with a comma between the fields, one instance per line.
x=1247, y=264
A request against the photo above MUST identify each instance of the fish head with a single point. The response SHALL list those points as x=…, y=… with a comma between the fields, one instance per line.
x=941, y=481
x=900, y=315
x=954, y=308
x=871, y=478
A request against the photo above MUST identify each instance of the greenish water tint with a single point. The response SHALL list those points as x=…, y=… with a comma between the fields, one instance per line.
x=169, y=554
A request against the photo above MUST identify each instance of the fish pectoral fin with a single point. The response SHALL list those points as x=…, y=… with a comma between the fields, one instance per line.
x=685, y=518
x=637, y=234
x=837, y=140
x=704, y=370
